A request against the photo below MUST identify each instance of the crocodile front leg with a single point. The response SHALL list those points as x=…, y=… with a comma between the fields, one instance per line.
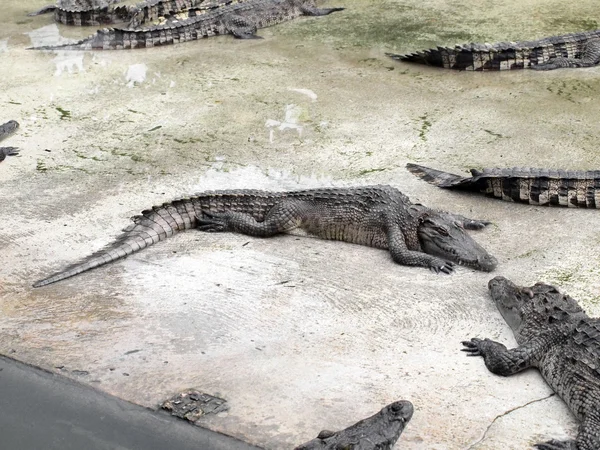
x=501, y=361
x=591, y=57
x=402, y=255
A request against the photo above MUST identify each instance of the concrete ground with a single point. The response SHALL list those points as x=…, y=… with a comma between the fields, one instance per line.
x=296, y=334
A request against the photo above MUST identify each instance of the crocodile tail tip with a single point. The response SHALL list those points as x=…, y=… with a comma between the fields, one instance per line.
x=436, y=177
x=431, y=57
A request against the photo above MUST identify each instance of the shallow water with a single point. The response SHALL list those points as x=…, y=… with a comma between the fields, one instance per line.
x=297, y=334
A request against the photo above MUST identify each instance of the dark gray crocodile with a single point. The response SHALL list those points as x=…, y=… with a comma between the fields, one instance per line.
x=376, y=216
x=6, y=130
x=378, y=432
x=556, y=336
x=240, y=19
x=105, y=12
x=541, y=187
x=569, y=50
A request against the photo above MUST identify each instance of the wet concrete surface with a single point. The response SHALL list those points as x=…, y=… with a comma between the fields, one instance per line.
x=296, y=334
x=42, y=410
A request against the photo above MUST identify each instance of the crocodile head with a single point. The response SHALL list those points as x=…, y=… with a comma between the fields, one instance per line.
x=441, y=234
x=381, y=430
x=539, y=305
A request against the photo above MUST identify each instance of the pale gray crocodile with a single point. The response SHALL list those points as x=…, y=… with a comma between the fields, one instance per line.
x=6, y=130
x=378, y=432
x=239, y=19
x=556, y=336
x=569, y=50
x=543, y=187
x=376, y=216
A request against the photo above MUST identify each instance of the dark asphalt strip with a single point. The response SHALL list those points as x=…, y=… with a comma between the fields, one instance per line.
x=44, y=411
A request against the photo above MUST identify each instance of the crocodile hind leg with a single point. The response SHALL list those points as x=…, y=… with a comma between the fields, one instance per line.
x=8, y=151
x=590, y=57
x=241, y=27
x=283, y=217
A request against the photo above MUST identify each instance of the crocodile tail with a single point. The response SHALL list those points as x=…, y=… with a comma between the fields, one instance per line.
x=439, y=178
x=477, y=57
x=152, y=226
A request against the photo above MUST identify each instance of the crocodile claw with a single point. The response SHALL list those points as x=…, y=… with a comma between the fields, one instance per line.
x=473, y=347
x=442, y=266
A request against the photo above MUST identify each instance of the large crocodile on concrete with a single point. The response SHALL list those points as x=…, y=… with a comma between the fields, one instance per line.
x=376, y=216
x=6, y=130
x=104, y=12
x=569, y=50
x=240, y=19
x=542, y=187
x=378, y=432
x=556, y=336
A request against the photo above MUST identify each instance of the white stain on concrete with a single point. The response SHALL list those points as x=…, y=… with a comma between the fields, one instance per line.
x=3, y=45
x=136, y=74
x=291, y=121
x=310, y=94
x=69, y=61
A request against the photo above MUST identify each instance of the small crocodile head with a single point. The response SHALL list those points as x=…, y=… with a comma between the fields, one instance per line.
x=400, y=411
x=540, y=304
x=442, y=235
x=381, y=430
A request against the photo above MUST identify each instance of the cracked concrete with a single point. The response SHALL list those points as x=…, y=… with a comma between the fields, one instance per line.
x=296, y=334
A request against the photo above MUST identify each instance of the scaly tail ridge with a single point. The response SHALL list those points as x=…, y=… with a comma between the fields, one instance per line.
x=152, y=226
x=439, y=178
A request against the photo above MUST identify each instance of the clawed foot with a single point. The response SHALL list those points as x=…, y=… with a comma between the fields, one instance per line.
x=212, y=222
x=478, y=347
x=557, y=445
x=439, y=265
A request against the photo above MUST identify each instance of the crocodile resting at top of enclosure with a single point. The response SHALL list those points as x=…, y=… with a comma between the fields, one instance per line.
x=241, y=19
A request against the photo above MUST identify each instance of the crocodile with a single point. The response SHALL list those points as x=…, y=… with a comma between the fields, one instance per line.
x=6, y=130
x=377, y=216
x=87, y=12
x=540, y=187
x=378, y=432
x=555, y=335
x=104, y=12
x=241, y=19
x=569, y=50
